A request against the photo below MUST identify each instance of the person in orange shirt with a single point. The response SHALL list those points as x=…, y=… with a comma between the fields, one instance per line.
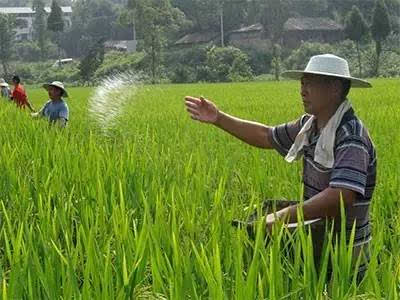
x=19, y=94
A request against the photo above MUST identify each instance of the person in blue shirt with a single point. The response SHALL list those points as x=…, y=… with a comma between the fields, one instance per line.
x=56, y=109
x=5, y=90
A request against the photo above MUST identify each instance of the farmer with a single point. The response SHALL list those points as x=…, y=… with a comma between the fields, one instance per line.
x=19, y=94
x=56, y=109
x=338, y=155
x=5, y=89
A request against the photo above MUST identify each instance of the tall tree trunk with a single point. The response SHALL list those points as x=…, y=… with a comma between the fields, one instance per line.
x=222, y=25
x=58, y=38
x=359, y=60
x=378, y=47
x=153, y=60
x=276, y=61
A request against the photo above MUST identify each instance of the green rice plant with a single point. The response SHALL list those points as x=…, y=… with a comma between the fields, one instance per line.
x=145, y=211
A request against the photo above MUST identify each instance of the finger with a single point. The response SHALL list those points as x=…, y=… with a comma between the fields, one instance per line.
x=195, y=117
x=192, y=105
x=192, y=99
x=192, y=111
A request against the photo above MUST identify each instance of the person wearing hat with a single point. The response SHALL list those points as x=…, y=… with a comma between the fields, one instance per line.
x=5, y=89
x=56, y=109
x=19, y=94
x=339, y=159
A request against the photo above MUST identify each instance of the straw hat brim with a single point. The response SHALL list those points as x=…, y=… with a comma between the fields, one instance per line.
x=355, y=82
x=47, y=85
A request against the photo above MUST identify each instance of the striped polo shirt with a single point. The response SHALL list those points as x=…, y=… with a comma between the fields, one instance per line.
x=354, y=167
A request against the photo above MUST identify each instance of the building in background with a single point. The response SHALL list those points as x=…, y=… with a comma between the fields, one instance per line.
x=25, y=17
x=295, y=32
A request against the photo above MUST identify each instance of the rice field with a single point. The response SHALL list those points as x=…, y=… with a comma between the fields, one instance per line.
x=143, y=209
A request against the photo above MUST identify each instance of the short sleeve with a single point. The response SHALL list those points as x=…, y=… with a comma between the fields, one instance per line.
x=283, y=135
x=350, y=168
x=64, y=113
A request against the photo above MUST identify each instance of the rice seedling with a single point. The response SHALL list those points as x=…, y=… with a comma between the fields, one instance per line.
x=145, y=211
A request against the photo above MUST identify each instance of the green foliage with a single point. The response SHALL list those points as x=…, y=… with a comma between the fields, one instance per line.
x=55, y=21
x=155, y=19
x=227, y=64
x=275, y=15
x=187, y=65
x=68, y=74
x=115, y=62
x=28, y=51
x=348, y=49
x=40, y=34
x=145, y=213
x=299, y=57
x=234, y=13
x=204, y=14
x=91, y=20
x=7, y=35
x=310, y=8
x=91, y=62
x=259, y=54
x=356, y=28
x=25, y=71
x=380, y=29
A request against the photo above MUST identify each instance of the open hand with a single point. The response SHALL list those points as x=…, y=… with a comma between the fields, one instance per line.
x=201, y=109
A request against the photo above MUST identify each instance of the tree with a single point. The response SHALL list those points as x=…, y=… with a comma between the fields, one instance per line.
x=232, y=14
x=92, y=61
x=380, y=29
x=252, y=11
x=91, y=21
x=7, y=35
x=310, y=8
x=39, y=27
x=357, y=30
x=204, y=14
x=55, y=22
x=156, y=19
x=275, y=15
x=340, y=8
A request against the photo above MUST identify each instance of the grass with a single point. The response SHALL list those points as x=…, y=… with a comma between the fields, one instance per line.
x=145, y=211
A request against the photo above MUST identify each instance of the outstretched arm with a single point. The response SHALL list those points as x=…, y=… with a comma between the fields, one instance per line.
x=30, y=106
x=252, y=133
x=38, y=114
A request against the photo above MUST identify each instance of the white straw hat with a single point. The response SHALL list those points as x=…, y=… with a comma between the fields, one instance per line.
x=3, y=82
x=328, y=65
x=57, y=84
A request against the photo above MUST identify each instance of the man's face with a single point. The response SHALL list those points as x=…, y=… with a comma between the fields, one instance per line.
x=316, y=92
x=54, y=93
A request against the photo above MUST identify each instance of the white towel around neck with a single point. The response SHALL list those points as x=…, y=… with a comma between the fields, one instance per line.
x=326, y=141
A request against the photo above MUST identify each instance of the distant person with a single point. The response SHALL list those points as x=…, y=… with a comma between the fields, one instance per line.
x=339, y=158
x=19, y=94
x=56, y=109
x=5, y=89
